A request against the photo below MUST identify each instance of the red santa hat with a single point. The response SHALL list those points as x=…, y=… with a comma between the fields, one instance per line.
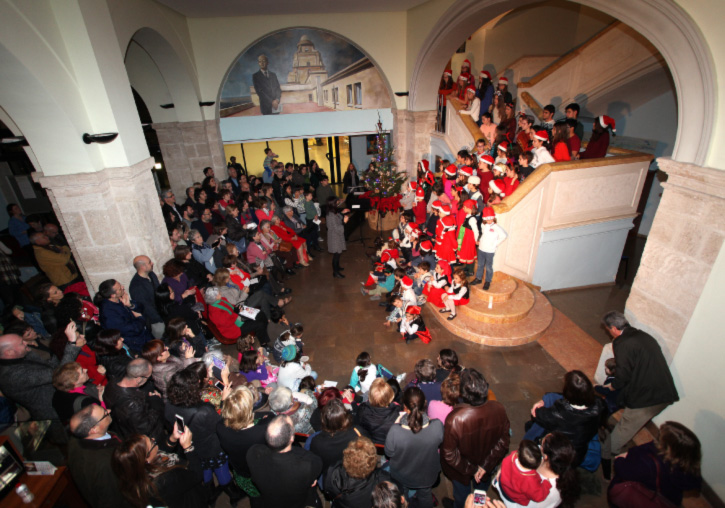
x=497, y=187
x=413, y=310
x=463, y=77
x=466, y=171
x=407, y=282
x=445, y=210
x=466, y=63
x=425, y=165
x=413, y=185
x=503, y=146
x=488, y=213
x=503, y=81
x=487, y=159
x=426, y=246
x=607, y=121
x=470, y=204
x=451, y=170
x=419, y=194
x=445, y=267
x=448, y=222
x=448, y=72
x=542, y=135
x=372, y=281
x=430, y=179
x=436, y=205
x=485, y=74
x=471, y=88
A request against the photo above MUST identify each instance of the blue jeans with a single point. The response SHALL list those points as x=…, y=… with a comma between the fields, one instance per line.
x=485, y=260
x=461, y=491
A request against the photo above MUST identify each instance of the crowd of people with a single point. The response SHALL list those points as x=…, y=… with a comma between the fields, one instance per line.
x=154, y=413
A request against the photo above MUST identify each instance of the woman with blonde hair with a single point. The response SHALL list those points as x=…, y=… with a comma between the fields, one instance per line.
x=379, y=413
x=237, y=433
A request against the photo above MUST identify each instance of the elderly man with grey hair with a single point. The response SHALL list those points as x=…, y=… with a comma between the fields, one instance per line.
x=298, y=406
x=228, y=321
x=285, y=475
x=143, y=290
x=173, y=216
x=309, y=232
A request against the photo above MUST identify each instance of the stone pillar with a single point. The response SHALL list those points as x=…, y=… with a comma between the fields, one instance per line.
x=686, y=236
x=109, y=217
x=412, y=138
x=189, y=147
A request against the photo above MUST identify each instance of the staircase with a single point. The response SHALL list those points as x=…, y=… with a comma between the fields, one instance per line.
x=510, y=313
x=608, y=61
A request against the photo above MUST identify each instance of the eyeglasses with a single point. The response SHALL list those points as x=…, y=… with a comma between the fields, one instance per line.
x=153, y=445
x=106, y=413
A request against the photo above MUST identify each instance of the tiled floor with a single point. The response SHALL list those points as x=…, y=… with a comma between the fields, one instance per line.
x=340, y=323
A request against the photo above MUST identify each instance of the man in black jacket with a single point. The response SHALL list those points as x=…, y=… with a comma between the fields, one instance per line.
x=285, y=475
x=142, y=290
x=89, y=458
x=136, y=411
x=643, y=378
x=172, y=214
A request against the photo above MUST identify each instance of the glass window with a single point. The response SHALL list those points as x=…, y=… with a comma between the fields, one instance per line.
x=358, y=95
x=349, y=96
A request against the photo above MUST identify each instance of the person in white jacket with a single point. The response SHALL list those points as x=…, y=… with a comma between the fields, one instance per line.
x=474, y=104
x=292, y=369
x=540, y=152
x=492, y=235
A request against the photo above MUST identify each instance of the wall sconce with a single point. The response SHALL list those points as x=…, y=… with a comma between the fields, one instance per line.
x=207, y=103
x=158, y=165
x=14, y=141
x=104, y=138
x=166, y=106
x=401, y=94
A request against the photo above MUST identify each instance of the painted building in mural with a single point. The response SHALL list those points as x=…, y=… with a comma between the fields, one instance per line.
x=357, y=86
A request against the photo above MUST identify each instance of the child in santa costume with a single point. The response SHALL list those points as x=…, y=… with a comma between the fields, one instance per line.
x=473, y=186
x=412, y=326
x=457, y=294
x=449, y=179
x=468, y=237
x=501, y=152
x=541, y=151
x=511, y=180
x=498, y=191
x=463, y=175
x=381, y=283
x=419, y=209
x=485, y=164
x=388, y=253
x=492, y=235
x=431, y=225
x=407, y=294
x=434, y=290
x=447, y=244
x=425, y=254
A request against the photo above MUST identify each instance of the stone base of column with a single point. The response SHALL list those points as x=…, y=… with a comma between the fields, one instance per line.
x=412, y=138
x=686, y=237
x=109, y=217
x=187, y=148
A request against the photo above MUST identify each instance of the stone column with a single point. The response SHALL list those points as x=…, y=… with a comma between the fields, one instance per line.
x=109, y=217
x=686, y=237
x=412, y=138
x=189, y=147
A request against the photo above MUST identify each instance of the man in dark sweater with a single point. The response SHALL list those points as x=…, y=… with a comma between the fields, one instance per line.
x=643, y=379
x=285, y=475
x=142, y=289
x=89, y=458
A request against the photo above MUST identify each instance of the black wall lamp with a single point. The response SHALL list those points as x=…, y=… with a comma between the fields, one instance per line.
x=14, y=141
x=401, y=94
x=167, y=106
x=106, y=137
x=207, y=103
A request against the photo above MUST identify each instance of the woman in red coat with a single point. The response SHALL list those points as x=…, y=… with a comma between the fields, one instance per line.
x=559, y=143
x=229, y=323
x=286, y=234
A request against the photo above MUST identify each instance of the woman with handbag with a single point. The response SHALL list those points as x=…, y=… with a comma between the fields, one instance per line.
x=656, y=474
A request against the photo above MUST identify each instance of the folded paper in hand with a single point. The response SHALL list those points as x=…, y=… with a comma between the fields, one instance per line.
x=249, y=312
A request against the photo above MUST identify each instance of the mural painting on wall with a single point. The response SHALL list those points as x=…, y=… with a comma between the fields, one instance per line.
x=301, y=70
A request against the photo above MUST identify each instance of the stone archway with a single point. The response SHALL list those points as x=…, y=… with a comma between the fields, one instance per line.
x=661, y=22
x=188, y=142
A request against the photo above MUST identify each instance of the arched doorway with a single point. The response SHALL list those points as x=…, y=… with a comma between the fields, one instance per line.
x=661, y=22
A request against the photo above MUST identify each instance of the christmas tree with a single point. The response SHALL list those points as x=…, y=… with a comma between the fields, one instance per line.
x=384, y=182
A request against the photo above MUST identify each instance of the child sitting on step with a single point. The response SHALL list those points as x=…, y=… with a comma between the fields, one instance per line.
x=398, y=313
x=412, y=326
x=457, y=294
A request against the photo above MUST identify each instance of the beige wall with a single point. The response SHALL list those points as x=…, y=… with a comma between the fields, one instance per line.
x=374, y=92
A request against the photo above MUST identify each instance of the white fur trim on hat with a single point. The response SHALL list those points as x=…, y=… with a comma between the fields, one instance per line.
x=474, y=180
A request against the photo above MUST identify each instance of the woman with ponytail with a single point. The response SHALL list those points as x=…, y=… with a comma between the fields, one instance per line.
x=412, y=446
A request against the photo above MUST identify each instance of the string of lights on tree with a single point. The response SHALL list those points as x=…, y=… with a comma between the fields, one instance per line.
x=384, y=182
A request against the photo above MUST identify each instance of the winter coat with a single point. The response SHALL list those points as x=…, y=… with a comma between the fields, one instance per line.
x=162, y=372
x=115, y=315
x=353, y=492
x=335, y=233
x=377, y=420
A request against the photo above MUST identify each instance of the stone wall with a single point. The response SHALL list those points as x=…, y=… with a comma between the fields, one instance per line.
x=412, y=138
x=686, y=236
x=189, y=147
x=109, y=217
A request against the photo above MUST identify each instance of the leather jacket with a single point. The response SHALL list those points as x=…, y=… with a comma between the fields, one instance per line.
x=474, y=436
x=135, y=412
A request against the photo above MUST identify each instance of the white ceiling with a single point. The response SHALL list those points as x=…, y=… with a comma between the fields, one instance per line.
x=225, y=8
